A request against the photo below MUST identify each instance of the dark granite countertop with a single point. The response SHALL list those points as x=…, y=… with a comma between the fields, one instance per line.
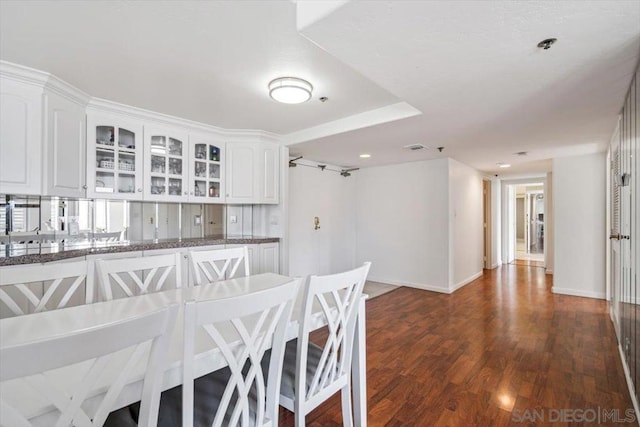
x=37, y=253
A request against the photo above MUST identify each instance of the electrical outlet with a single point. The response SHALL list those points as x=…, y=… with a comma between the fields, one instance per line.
x=233, y=219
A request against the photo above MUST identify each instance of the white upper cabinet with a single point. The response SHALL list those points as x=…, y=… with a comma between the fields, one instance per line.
x=270, y=173
x=242, y=159
x=114, y=157
x=20, y=137
x=42, y=134
x=206, y=169
x=252, y=172
x=65, y=146
x=166, y=154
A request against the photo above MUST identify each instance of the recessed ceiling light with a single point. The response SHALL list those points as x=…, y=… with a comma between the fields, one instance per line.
x=290, y=90
x=546, y=43
x=521, y=153
x=504, y=165
x=365, y=156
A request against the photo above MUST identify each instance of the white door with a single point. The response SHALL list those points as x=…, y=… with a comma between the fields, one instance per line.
x=625, y=236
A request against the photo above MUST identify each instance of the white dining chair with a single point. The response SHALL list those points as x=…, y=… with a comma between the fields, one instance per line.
x=311, y=374
x=219, y=264
x=138, y=276
x=243, y=328
x=34, y=288
x=94, y=350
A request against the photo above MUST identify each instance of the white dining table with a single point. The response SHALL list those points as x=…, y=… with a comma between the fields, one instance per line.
x=37, y=326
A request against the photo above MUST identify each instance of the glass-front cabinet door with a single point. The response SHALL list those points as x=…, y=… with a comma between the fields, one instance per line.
x=165, y=176
x=207, y=170
x=114, y=157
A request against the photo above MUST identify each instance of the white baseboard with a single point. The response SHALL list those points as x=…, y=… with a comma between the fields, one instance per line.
x=465, y=282
x=578, y=293
x=426, y=287
x=496, y=265
x=627, y=376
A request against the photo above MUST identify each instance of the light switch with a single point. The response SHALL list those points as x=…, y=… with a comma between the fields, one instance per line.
x=233, y=219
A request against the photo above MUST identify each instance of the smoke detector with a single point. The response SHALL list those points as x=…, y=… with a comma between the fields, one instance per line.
x=415, y=147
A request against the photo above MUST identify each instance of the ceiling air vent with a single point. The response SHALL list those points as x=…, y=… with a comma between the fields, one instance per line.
x=415, y=147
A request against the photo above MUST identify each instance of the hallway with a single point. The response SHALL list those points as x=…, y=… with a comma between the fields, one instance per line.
x=492, y=353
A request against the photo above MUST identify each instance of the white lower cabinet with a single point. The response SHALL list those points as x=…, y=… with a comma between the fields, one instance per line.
x=263, y=257
x=269, y=257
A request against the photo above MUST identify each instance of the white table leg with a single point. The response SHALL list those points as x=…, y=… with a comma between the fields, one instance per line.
x=359, y=368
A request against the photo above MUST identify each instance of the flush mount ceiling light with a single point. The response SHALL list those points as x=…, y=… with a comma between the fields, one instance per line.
x=365, y=156
x=504, y=165
x=290, y=90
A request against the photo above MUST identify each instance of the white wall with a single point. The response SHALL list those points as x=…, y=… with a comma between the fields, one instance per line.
x=496, y=222
x=579, y=225
x=331, y=197
x=548, y=224
x=465, y=224
x=403, y=223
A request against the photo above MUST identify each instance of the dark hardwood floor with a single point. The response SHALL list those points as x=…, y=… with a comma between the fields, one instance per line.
x=491, y=354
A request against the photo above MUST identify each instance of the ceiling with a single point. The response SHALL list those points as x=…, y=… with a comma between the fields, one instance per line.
x=465, y=75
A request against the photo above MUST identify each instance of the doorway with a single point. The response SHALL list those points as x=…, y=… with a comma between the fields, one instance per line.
x=524, y=223
x=529, y=228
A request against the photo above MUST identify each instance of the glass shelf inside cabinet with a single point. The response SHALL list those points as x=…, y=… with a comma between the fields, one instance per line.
x=214, y=189
x=175, y=166
x=214, y=171
x=175, y=147
x=126, y=139
x=214, y=153
x=200, y=169
x=175, y=187
x=159, y=145
x=126, y=183
x=158, y=185
x=158, y=164
x=105, y=182
x=105, y=135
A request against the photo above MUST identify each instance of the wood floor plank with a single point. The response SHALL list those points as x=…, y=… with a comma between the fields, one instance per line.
x=502, y=346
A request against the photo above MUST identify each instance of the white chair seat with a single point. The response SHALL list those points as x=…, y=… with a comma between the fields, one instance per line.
x=208, y=391
x=287, y=385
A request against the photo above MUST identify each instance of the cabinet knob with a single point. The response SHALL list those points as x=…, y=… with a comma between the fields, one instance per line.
x=191, y=193
x=185, y=193
x=139, y=190
x=84, y=186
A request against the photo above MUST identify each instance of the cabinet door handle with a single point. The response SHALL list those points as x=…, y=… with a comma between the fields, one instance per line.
x=615, y=236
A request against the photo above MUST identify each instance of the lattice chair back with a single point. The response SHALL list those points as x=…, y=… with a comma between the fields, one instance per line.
x=34, y=288
x=242, y=328
x=137, y=276
x=115, y=347
x=327, y=368
x=220, y=264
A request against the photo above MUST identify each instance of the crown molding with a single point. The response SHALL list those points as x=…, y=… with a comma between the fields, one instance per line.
x=253, y=135
x=23, y=74
x=51, y=83
x=43, y=80
x=64, y=89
